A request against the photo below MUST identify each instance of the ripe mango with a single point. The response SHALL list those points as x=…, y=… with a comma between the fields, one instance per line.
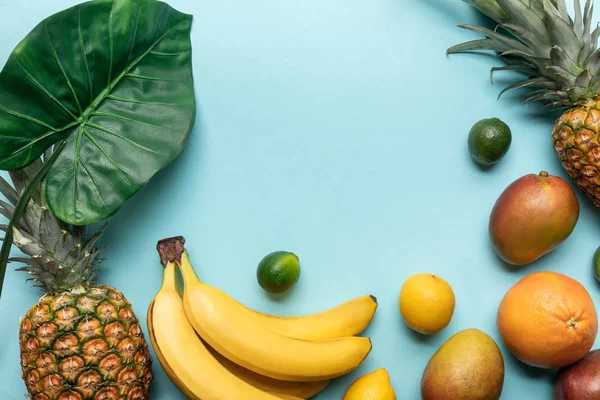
x=532, y=217
x=579, y=381
x=468, y=366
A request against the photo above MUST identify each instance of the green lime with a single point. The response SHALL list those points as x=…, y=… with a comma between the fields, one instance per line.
x=278, y=271
x=489, y=140
x=597, y=264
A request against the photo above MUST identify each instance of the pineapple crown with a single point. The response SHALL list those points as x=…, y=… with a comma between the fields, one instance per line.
x=61, y=257
x=540, y=39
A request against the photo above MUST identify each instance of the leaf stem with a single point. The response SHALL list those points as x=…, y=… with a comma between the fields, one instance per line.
x=20, y=208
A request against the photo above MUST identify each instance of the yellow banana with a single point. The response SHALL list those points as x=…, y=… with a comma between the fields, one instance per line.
x=183, y=355
x=284, y=389
x=304, y=390
x=347, y=319
x=234, y=333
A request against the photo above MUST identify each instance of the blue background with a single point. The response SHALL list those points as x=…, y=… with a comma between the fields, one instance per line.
x=335, y=129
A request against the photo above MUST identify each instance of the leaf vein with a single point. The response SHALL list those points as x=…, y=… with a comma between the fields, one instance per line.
x=121, y=172
x=100, y=113
x=160, y=53
x=82, y=45
x=152, y=78
x=27, y=117
x=110, y=42
x=61, y=67
x=96, y=187
x=137, y=23
x=126, y=100
x=29, y=145
x=44, y=90
x=103, y=129
x=76, y=165
x=140, y=58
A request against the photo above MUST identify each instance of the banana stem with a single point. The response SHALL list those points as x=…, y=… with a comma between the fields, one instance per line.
x=170, y=249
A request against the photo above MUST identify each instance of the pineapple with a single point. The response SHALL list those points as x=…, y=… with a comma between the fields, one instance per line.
x=80, y=341
x=559, y=54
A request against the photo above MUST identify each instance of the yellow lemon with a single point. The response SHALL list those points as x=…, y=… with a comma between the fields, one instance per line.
x=426, y=303
x=373, y=386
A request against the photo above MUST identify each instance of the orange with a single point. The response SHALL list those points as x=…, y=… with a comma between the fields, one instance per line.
x=426, y=303
x=548, y=320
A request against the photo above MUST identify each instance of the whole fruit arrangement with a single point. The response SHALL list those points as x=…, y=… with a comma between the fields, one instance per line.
x=548, y=320
x=579, y=381
x=468, y=366
x=532, y=217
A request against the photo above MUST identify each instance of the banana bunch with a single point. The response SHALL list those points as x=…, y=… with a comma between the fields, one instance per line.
x=214, y=348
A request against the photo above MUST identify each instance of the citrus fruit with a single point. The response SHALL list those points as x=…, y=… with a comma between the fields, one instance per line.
x=489, y=140
x=278, y=271
x=596, y=262
x=548, y=320
x=373, y=386
x=426, y=303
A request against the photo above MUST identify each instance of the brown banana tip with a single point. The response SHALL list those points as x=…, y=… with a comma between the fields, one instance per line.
x=373, y=298
x=170, y=249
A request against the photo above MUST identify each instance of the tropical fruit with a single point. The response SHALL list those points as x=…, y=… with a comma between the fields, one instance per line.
x=182, y=354
x=277, y=272
x=489, y=141
x=579, y=381
x=348, y=319
x=561, y=62
x=426, y=303
x=596, y=264
x=468, y=366
x=250, y=355
x=532, y=217
x=548, y=320
x=373, y=386
x=81, y=340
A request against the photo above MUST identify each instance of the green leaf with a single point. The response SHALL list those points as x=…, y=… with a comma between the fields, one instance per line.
x=114, y=79
x=491, y=8
x=517, y=68
x=478, y=44
x=500, y=38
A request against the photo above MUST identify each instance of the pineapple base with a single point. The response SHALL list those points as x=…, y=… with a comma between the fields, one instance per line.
x=84, y=344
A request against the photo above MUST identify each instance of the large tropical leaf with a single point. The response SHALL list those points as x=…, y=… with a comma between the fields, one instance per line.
x=113, y=78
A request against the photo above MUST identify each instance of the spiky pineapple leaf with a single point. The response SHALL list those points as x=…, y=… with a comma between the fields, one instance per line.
x=516, y=68
x=8, y=191
x=479, y=44
x=15, y=218
x=543, y=40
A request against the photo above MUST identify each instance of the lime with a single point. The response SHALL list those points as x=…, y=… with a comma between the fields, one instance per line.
x=278, y=271
x=489, y=140
x=597, y=264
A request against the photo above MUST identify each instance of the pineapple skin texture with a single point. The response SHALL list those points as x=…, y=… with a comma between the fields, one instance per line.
x=88, y=345
x=576, y=141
